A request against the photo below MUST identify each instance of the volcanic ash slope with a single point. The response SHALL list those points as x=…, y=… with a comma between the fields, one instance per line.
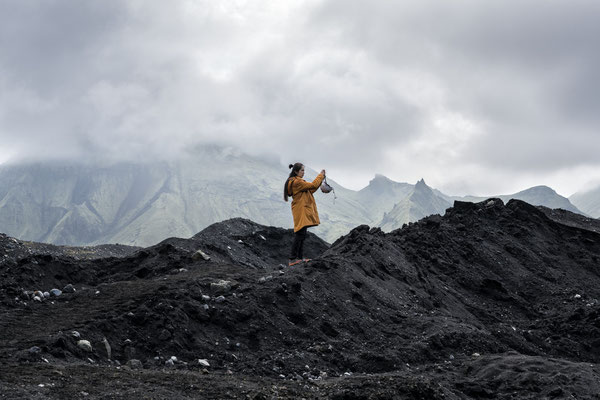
x=487, y=301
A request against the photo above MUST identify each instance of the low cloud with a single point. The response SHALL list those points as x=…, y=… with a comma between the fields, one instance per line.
x=465, y=94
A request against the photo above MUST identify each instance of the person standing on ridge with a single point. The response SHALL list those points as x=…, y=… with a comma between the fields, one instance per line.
x=304, y=207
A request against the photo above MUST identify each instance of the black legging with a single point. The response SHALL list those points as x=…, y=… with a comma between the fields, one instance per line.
x=298, y=243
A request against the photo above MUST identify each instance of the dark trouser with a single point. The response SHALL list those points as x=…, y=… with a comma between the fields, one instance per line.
x=298, y=243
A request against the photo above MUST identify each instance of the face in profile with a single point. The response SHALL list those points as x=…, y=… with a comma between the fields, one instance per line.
x=301, y=172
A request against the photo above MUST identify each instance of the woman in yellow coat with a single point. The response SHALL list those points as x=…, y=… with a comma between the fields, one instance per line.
x=304, y=208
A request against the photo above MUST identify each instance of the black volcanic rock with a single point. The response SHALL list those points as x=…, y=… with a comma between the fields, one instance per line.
x=488, y=301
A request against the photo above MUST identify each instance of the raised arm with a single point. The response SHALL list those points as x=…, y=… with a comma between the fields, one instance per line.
x=302, y=186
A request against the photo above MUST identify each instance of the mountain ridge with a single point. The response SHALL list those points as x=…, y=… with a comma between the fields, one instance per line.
x=141, y=204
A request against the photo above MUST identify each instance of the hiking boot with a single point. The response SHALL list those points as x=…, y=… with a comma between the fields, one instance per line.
x=293, y=262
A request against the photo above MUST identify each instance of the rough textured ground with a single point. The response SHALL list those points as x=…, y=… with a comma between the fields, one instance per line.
x=488, y=301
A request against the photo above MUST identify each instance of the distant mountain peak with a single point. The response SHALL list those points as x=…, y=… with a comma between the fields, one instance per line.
x=380, y=178
x=421, y=183
x=541, y=189
x=379, y=184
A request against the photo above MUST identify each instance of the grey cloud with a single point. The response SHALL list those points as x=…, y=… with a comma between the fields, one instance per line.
x=48, y=45
x=524, y=71
x=338, y=82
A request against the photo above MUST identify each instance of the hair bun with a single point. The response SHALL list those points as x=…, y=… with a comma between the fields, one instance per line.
x=291, y=166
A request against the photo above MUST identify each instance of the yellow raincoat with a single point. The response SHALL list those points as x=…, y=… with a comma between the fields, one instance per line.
x=304, y=207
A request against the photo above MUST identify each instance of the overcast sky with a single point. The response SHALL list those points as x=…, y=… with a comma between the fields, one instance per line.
x=477, y=97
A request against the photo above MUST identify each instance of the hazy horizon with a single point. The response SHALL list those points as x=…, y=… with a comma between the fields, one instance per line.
x=311, y=171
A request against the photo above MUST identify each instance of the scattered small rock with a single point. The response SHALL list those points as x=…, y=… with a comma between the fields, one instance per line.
x=107, y=347
x=69, y=289
x=198, y=255
x=203, y=362
x=85, y=345
x=55, y=292
x=75, y=334
x=222, y=285
x=263, y=279
x=577, y=296
x=220, y=299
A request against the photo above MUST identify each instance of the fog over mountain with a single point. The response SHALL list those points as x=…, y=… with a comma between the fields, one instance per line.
x=588, y=201
x=144, y=203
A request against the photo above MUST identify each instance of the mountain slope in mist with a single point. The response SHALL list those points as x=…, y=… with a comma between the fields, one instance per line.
x=588, y=201
x=143, y=203
x=419, y=203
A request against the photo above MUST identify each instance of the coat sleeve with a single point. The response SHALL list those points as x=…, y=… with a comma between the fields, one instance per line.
x=300, y=185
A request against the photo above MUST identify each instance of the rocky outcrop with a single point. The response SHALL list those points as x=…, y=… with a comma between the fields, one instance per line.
x=454, y=306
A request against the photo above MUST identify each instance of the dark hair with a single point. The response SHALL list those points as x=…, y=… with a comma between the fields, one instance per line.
x=295, y=168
